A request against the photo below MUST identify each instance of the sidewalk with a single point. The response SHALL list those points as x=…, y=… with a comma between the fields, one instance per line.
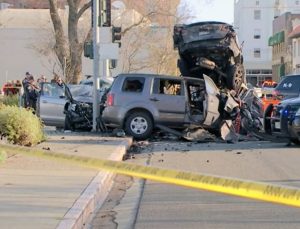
x=37, y=193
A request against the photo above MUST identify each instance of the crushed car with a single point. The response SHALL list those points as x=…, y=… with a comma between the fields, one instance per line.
x=141, y=103
x=210, y=48
x=68, y=106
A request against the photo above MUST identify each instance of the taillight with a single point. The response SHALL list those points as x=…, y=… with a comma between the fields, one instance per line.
x=110, y=99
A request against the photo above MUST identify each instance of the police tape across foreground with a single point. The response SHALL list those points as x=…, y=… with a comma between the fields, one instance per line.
x=237, y=187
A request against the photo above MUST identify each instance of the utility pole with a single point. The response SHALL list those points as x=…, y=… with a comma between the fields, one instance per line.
x=96, y=69
x=101, y=22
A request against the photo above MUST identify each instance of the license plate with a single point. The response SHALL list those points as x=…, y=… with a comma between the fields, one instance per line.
x=277, y=125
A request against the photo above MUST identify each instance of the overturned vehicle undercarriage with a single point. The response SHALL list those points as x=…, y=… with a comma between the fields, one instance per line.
x=210, y=48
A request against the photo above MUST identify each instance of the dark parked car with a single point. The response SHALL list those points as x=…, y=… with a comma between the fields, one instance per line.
x=284, y=119
x=288, y=87
x=210, y=48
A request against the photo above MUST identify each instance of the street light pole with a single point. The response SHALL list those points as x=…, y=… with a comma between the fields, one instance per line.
x=96, y=69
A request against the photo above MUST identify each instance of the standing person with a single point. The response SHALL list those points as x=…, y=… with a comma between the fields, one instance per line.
x=25, y=95
x=33, y=91
x=42, y=79
x=57, y=79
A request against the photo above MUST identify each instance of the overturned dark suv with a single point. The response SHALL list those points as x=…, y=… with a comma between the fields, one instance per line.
x=210, y=48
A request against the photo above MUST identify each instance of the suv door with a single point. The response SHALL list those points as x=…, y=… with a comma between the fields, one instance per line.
x=51, y=104
x=211, y=105
x=168, y=96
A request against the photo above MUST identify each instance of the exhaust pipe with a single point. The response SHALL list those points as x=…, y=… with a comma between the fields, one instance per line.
x=206, y=63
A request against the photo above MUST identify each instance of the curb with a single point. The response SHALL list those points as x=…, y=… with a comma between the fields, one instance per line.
x=94, y=195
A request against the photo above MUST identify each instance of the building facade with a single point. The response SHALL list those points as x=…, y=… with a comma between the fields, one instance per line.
x=295, y=36
x=253, y=20
x=281, y=43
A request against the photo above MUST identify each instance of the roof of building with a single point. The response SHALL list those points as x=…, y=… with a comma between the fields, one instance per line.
x=295, y=33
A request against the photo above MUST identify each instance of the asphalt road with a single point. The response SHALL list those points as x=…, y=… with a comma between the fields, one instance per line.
x=156, y=205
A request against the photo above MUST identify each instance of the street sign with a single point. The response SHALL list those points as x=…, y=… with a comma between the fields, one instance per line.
x=109, y=51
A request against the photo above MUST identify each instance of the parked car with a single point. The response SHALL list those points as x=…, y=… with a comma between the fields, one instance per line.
x=53, y=102
x=105, y=82
x=138, y=103
x=210, y=48
x=288, y=87
x=284, y=119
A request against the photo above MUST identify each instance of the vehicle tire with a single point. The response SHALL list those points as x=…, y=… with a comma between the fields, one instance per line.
x=295, y=141
x=183, y=67
x=68, y=123
x=267, y=119
x=235, y=76
x=139, y=125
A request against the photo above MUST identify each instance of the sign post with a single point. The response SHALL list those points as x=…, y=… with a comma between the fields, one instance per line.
x=96, y=69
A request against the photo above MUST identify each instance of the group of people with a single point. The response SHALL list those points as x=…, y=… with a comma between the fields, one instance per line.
x=12, y=87
x=31, y=89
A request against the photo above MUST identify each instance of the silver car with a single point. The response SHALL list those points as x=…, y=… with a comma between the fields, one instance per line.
x=52, y=99
x=139, y=102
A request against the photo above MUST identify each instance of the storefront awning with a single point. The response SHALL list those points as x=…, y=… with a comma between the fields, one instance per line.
x=277, y=38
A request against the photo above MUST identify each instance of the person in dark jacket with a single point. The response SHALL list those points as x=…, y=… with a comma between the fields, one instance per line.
x=32, y=92
x=25, y=91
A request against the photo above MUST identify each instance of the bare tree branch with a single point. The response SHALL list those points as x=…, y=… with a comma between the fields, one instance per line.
x=84, y=8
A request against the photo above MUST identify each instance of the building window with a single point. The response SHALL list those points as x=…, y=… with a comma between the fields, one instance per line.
x=297, y=2
x=257, y=3
x=257, y=15
x=257, y=34
x=257, y=53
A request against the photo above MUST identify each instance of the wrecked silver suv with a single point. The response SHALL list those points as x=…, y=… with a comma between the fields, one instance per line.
x=139, y=103
x=210, y=48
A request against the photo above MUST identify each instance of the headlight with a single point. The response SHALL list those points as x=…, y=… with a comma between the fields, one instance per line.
x=298, y=112
x=73, y=107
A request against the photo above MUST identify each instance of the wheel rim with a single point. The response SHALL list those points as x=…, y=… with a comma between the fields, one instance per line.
x=238, y=78
x=138, y=125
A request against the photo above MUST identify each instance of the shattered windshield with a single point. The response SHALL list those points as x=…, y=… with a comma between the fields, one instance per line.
x=81, y=90
x=204, y=31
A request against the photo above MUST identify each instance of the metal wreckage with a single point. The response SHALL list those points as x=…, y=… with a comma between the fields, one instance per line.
x=209, y=51
x=212, y=49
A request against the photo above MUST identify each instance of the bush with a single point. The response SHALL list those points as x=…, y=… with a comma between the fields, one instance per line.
x=11, y=100
x=20, y=126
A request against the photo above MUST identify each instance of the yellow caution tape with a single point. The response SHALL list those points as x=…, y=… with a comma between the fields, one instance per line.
x=237, y=187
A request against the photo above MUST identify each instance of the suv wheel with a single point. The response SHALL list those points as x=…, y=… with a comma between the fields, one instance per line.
x=235, y=76
x=139, y=125
x=295, y=141
x=68, y=123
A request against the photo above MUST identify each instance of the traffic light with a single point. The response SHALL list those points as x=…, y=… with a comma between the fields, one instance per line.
x=105, y=12
x=88, y=49
x=116, y=35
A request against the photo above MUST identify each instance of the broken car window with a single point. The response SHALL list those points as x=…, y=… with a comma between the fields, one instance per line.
x=168, y=87
x=133, y=84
